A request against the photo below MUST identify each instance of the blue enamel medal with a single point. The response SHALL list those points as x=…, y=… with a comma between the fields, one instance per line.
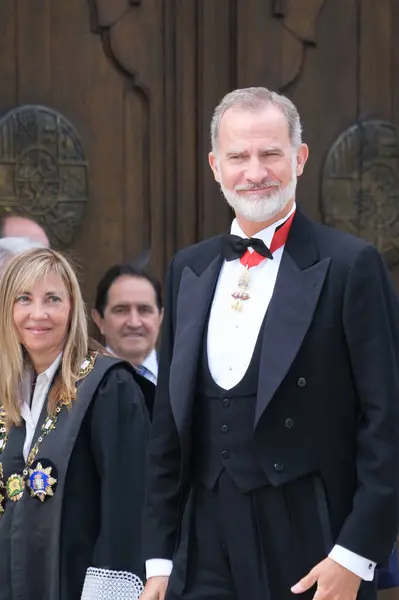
x=40, y=482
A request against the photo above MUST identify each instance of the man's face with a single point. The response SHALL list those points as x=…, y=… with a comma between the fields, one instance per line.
x=255, y=164
x=131, y=319
x=21, y=227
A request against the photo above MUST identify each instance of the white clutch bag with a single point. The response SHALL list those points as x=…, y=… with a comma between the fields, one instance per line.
x=101, y=584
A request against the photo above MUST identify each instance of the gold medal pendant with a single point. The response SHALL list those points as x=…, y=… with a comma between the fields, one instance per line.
x=40, y=482
x=241, y=295
x=244, y=279
x=15, y=487
x=39, y=478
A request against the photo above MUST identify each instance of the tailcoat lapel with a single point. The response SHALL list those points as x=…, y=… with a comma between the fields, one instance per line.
x=299, y=283
x=194, y=298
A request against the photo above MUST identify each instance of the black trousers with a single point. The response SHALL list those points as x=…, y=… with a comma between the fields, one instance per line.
x=237, y=546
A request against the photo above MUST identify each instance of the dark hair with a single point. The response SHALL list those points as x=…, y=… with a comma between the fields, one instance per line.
x=113, y=274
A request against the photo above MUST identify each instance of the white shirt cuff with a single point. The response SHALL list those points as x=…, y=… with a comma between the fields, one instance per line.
x=158, y=567
x=360, y=566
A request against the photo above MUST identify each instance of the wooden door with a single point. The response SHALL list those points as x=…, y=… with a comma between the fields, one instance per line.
x=105, y=108
x=83, y=132
x=338, y=60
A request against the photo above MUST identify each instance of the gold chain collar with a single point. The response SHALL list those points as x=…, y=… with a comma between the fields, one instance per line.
x=16, y=483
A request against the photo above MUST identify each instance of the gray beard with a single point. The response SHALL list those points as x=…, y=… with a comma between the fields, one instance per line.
x=262, y=206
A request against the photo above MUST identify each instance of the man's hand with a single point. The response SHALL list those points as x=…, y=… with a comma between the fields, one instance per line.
x=155, y=588
x=334, y=582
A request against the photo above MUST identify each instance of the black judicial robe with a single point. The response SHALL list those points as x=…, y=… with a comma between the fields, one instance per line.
x=94, y=518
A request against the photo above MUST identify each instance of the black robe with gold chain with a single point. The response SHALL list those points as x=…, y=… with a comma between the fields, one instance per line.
x=97, y=454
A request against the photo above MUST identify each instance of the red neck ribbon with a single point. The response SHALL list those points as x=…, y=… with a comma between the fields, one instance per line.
x=251, y=259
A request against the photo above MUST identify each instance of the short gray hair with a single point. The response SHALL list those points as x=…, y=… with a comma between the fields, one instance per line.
x=11, y=246
x=254, y=99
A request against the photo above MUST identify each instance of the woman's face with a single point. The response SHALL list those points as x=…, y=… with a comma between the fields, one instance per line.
x=42, y=316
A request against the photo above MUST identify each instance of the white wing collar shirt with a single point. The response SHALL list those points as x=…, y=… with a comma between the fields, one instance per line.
x=231, y=340
x=232, y=334
x=31, y=410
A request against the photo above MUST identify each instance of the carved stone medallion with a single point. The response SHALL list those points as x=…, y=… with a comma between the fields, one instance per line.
x=360, y=185
x=43, y=172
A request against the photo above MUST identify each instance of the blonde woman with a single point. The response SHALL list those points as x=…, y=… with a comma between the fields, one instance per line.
x=73, y=437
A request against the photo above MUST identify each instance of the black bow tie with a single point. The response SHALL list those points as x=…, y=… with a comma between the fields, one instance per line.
x=234, y=246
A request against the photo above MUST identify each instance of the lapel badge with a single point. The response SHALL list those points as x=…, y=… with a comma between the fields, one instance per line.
x=40, y=481
x=15, y=487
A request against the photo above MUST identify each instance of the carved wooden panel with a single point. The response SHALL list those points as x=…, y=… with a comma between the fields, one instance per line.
x=140, y=79
x=43, y=171
x=132, y=40
x=107, y=12
x=360, y=186
x=272, y=43
x=300, y=17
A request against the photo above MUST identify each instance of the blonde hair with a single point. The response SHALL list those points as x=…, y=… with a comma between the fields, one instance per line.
x=22, y=274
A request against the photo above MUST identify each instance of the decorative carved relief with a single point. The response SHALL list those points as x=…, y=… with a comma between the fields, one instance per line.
x=43, y=172
x=121, y=24
x=108, y=12
x=127, y=29
x=299, y=21
x=279, y=8
x=299, y=17
x=360, y=186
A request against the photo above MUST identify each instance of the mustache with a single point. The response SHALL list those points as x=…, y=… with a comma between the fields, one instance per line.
x=248, y=187
x=129, y=330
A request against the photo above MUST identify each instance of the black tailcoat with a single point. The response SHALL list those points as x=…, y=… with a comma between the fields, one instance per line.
x=328, y=365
